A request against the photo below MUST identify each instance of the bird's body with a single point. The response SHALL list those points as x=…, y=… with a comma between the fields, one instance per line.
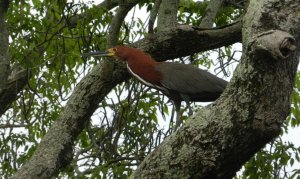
x=180, y=82
x=190, y=83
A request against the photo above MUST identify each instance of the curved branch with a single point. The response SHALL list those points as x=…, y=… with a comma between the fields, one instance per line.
x=117, y=21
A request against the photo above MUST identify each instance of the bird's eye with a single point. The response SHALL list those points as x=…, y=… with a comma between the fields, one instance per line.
x=114, y=49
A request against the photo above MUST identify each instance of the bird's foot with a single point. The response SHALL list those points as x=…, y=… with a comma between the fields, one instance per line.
x=178, y=120
x=190, y=112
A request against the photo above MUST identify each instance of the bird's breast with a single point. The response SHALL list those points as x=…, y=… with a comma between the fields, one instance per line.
x=146, y=74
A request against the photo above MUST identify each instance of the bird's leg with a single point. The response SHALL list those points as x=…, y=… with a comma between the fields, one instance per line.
x=177, y=105
x=188, y=104
x=190, y=108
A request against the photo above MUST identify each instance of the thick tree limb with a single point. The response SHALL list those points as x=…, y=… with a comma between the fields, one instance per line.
x=55, y=150
x=219, y=139
x=167, y=14
x=185, y=40
x=56, y=146
x=14, y=85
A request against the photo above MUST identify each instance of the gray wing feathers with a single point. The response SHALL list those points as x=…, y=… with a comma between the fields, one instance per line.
x=188, y=79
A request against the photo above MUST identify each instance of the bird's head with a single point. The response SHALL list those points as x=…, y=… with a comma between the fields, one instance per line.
x=123, y=53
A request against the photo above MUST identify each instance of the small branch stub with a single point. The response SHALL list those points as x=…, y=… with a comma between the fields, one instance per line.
x=278, y=44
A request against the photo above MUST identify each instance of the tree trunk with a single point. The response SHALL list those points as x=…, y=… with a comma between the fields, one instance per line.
x=167, y=14
x=4, y=57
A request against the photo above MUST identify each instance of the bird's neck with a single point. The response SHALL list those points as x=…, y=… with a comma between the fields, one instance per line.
x=144, y=70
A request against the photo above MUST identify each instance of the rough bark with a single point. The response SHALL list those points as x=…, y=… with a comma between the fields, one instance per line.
x=4, y=56
x=167, y=14
x=219, y=139
x=56, y=146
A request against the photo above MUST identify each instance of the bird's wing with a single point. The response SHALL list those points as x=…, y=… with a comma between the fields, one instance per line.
x=188, y=79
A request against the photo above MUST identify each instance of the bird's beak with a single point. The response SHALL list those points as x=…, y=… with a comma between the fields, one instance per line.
x=106, y=53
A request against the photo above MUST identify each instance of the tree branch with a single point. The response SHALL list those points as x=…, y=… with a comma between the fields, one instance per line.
x=153, y=15
x=185, y=40
x=107, y=4
x=4, y=126
x=117, y=21
x=211, y=13
x=110, y=4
